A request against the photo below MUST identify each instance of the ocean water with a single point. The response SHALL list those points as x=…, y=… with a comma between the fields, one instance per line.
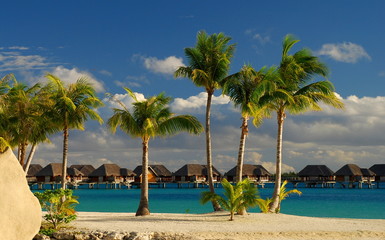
x=314, y=202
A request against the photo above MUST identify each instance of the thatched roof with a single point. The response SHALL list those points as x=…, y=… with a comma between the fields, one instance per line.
x=106, y=170
x=33, y=169
x=51, y=170
x=85, y=169
x=74, y=172
x=249, y=170
x=378, y=169
x=349, y=170
x=124, y=172
x=55, y=169
x=316, y=170
x=195, y=170
x=158, y=170
x=367, y=172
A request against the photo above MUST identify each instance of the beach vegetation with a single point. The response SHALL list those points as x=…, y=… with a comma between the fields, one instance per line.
x=283, y=194
x=73, y=104
x=296, y=93
x=59, y=205
x=149, y=118
x=242, y=195
x=208, y=64
x=264, y=204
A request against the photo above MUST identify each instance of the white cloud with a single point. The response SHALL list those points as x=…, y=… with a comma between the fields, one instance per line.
x=344, y=52
x=199, y=101
x=126, y=99
x=18, y=48
x=256, y=158
x=72, y=75
x=262, y=39
x=165, y=66
x=105, y=72
x=11, y=61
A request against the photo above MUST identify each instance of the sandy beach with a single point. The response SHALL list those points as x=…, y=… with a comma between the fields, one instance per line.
x=252, y=226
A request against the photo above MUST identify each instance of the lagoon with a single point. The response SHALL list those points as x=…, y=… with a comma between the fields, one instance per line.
x=314, y=202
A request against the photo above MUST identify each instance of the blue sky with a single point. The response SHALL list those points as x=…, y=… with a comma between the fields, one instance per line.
x=138, y=44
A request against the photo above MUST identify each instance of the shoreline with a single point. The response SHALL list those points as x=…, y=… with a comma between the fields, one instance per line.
x=217, y=226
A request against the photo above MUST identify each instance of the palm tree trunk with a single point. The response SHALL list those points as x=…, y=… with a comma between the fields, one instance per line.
x=21, y=153
x=65, y=152
x=275, y=203
x=215, y=204
x=241, y=154
x=143, y=208
x=29, y=159
x=241, y=151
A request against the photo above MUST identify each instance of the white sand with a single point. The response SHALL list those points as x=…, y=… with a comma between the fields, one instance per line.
x=252, y=226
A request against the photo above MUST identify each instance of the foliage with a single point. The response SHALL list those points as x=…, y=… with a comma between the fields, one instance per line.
x=283, y=194
x=264, y=204
x=3, y=144
x=241, y=196
x=59, y=204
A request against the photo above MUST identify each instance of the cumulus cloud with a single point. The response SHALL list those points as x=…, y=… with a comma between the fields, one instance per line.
x=164, y=66
x=199, y=101
x=344, y=52
x=71, y=75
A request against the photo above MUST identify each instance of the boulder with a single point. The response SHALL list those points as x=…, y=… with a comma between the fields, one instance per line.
x=20, y=211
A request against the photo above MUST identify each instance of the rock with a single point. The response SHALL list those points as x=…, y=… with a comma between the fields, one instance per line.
x=113, y=236
x=41, y=237
x=20, y=217
x=63, y=236
x=81, y=236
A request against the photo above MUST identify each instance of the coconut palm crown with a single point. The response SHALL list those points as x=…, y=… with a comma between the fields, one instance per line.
x=150, y=118
x=73, y=104
x=245, y=88
x=297, y=93
x=208, y=65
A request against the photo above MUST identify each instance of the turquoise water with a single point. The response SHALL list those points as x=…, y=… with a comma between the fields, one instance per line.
x=315, y=202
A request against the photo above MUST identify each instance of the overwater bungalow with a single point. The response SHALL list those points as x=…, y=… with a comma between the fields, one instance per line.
x=255, y=173
x=349, y=173
x=106, y=173
x=52, y=174
x=195, y=173
x=128, y=175
x=367, y=175
x=74, y=175
x=86, y=169
x=156, y=174
x=379, y=170
x=316, y=173
x=31, y=174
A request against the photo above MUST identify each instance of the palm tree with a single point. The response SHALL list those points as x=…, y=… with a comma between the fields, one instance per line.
x=20, y=113
x=150, y=118
x=245, y=88
x=73, y=105
x=297, y=93
x=209, y=62
x=240, y=196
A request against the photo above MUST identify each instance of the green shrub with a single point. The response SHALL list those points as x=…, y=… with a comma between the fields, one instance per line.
x=60, y=206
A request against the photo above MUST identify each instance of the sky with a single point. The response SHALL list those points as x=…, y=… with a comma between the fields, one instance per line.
x=139, y=44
